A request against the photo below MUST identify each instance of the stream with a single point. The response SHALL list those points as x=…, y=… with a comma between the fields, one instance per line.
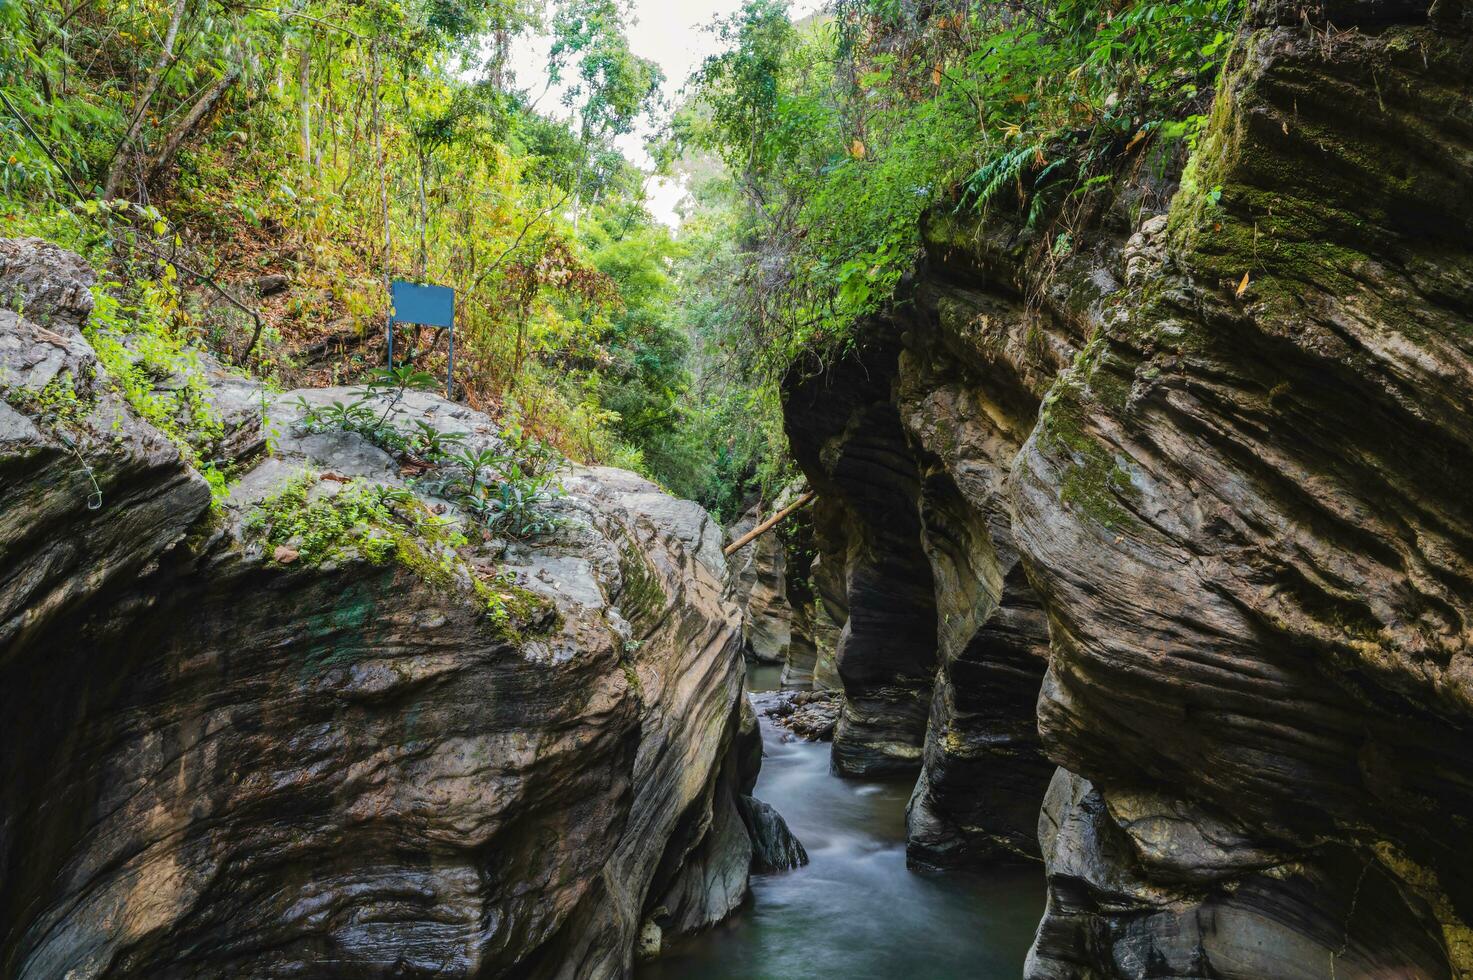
x=855, y=912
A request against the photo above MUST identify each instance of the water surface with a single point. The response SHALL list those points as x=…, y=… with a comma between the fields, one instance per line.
x=855, y=912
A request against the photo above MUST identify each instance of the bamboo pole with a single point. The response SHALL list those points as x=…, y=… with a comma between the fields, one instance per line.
x=766, y=525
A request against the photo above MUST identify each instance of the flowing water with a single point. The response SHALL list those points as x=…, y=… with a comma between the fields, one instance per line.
x=855, y=912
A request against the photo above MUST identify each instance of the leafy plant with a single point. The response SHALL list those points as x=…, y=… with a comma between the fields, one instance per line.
x=472, y=463
x=395, y=382
x=142, y=337
x=516, y=506
x=430, y=444
x=353, y=416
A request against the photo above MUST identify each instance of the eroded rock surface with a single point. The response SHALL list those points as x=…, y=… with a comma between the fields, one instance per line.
x=760, y=586
x=1260, y=592
x=1217, y=457
x=222, y=759
x=809, y=715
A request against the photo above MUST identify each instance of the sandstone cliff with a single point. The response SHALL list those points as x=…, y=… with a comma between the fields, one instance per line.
x=1200, y=487
x=401, y=755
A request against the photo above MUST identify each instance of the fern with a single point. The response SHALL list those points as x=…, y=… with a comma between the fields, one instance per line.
x=989, y=179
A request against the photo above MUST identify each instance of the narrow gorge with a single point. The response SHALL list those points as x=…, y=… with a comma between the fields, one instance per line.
x=1126, y=633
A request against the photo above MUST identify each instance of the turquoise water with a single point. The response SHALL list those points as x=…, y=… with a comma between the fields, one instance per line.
x=855, y=912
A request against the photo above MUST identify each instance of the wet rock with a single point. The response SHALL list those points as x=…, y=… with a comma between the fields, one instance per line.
x=830, y=604
x=49, y=286
x=1229, y=450
x=651, y=941
x=89, y=495
x=774, y=848
x=810, y=715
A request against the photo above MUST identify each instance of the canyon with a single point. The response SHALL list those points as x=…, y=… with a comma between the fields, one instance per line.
x=1146, y=563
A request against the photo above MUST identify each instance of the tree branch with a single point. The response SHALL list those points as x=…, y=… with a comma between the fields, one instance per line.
x=186, y=125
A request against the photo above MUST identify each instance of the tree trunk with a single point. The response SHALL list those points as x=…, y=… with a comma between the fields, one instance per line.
x=424, y=218
x=766, y=525
x=125, y=149
x=304, y=94
x=383, y=183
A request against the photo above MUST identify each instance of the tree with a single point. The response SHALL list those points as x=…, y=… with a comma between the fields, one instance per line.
x=613, y=86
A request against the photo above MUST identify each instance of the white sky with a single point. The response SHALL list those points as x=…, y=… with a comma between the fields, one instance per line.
x=671, y=34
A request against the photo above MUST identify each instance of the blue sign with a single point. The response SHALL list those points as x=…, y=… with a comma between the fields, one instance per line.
x=432, y=306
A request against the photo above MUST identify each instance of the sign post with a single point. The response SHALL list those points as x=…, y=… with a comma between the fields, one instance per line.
x=430, y=306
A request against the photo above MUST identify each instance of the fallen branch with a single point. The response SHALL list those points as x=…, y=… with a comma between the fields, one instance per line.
x=766, y=525
x=205, y=279
x=186, y=125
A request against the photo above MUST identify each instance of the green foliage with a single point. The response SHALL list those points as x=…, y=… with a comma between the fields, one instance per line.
x=335, y=141
x=358, y=518
x=841, y=133
x=351, y=135
x=378, y=523
x=315, y=523
x=613, y=85
x=508, y=490
x=56, y=404
x=142, y=337
x=429, y=443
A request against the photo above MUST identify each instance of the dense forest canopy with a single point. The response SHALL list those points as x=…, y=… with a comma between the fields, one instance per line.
x=247, y=177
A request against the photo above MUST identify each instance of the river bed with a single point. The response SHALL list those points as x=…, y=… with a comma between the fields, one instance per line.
x=855, y=912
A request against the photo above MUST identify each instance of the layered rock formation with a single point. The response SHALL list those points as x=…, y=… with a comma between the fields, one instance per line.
x=1221, y=451
x=943, y=650
x=1260, y=586
x=847, y=436
x=772, y=583
x=413, y=756
x=760, y=588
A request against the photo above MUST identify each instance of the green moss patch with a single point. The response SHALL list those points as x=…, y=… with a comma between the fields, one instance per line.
x=1092, y=480
x=382, y=525
x=643, y=597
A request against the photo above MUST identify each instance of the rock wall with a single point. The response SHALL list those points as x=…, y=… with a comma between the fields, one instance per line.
x=760, y=587
x=1260, y=590
x=772, y=583
x=847, y=436
x=1215, y=463
x=224, y=760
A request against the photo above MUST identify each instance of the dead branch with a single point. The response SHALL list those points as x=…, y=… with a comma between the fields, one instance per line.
x=189, y=122
x=766, y=525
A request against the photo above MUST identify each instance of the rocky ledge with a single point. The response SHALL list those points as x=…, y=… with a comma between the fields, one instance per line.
x=314, y=729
